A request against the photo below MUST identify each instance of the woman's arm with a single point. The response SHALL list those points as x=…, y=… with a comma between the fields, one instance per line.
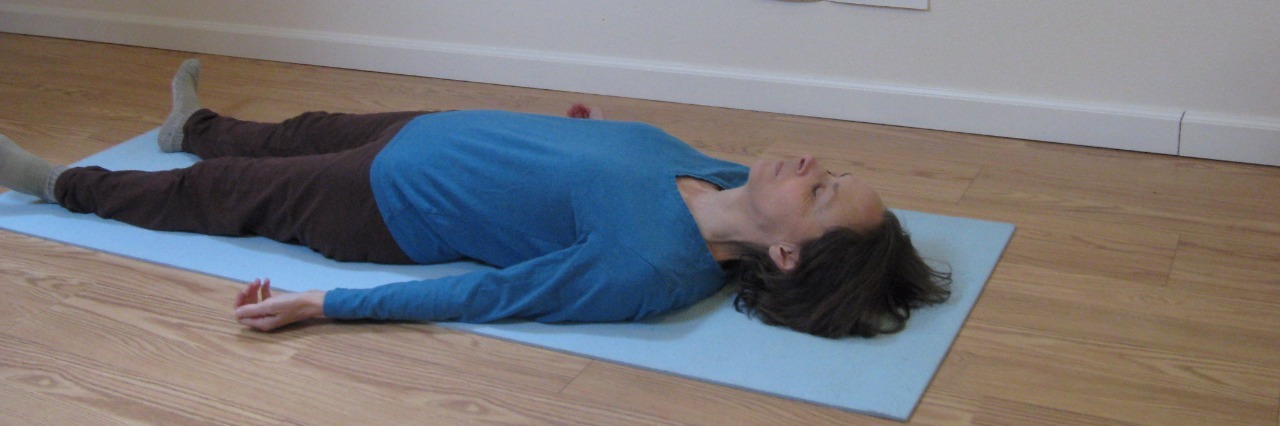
x=586, y=282
x=258, y=309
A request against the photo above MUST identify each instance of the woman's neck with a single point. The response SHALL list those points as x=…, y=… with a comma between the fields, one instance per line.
x=718, y=214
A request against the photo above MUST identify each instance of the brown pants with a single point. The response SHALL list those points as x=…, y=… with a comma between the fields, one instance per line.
x=303, y=181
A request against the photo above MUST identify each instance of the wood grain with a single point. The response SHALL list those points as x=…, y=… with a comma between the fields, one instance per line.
x=1138, y=289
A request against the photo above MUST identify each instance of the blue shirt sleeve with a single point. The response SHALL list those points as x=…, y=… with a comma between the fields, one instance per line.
x=586, y=282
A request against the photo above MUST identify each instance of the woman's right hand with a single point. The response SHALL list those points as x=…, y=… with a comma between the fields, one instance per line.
x=257, y=308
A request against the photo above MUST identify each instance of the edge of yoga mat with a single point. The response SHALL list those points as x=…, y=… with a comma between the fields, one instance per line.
x=710, y=341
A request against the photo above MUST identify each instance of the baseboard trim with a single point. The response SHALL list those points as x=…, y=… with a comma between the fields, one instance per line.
x=1243, y=140
x=1137, y=129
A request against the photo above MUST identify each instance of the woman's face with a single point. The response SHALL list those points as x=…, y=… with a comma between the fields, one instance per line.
x=797, y=200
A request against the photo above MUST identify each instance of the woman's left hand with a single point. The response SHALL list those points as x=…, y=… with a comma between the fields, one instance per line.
x=257, y=308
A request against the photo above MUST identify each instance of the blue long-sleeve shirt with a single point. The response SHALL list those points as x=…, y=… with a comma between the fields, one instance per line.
x=582, y=219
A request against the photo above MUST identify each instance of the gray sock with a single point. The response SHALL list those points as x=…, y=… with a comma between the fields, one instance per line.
x=26, y=173
x=185, y=103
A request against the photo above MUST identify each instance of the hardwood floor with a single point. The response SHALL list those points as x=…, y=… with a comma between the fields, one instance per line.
x=1138, y=288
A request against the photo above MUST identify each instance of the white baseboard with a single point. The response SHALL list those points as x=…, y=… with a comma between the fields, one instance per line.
x=1254, y=141
x=1137, y=129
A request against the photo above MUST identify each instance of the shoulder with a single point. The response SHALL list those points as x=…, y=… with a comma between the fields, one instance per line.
x=674, y=278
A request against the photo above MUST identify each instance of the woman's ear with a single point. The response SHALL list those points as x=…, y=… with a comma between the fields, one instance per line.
x=785, y=256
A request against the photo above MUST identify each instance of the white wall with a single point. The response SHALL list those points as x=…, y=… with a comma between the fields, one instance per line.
x=1173, y=76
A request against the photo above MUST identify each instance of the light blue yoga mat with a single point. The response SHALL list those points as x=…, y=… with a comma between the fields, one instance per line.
x=883, y=376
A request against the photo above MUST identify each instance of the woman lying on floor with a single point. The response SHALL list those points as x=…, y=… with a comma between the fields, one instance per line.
x=584, y=219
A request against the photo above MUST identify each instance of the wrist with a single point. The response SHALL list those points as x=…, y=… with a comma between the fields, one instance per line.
x=315, y=303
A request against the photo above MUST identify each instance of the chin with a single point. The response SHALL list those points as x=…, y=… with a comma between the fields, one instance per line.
x=756, y=169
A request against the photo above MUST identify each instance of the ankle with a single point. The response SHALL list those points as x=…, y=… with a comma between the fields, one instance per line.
x=185, y=103
x=24, y=172
x=49, y=193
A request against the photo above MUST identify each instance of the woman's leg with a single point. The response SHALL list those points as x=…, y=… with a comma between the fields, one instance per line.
x=209, y=135
x=322, y=201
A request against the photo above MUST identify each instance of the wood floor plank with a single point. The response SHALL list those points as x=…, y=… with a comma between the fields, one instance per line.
x=473, y=395
x=999, y=411
x=1133, y=252
x=1228, y=282
x=1252, y=310
x=22, y=407
x=1245, y=269
x=26, y=290
x=1103, y=323
x=1175, y=206
x=81, y=386
x=1114, y=381
x=165, y=331
x=693, y=402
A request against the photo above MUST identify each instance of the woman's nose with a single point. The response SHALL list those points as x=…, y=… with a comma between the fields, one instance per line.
x=807, y=164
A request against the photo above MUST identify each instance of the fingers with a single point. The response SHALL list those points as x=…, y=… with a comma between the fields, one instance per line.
x=248, y=294
x=261, y=316
x=250, y=309
x=260, y=309
x=260, y=323
x=254, y=292
x=273, y=312
x=257, y=308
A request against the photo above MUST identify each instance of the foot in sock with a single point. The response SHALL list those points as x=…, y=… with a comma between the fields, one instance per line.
x=26, y=173
x=185, y=103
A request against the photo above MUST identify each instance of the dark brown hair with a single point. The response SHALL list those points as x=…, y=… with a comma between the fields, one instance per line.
x=846, y=283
